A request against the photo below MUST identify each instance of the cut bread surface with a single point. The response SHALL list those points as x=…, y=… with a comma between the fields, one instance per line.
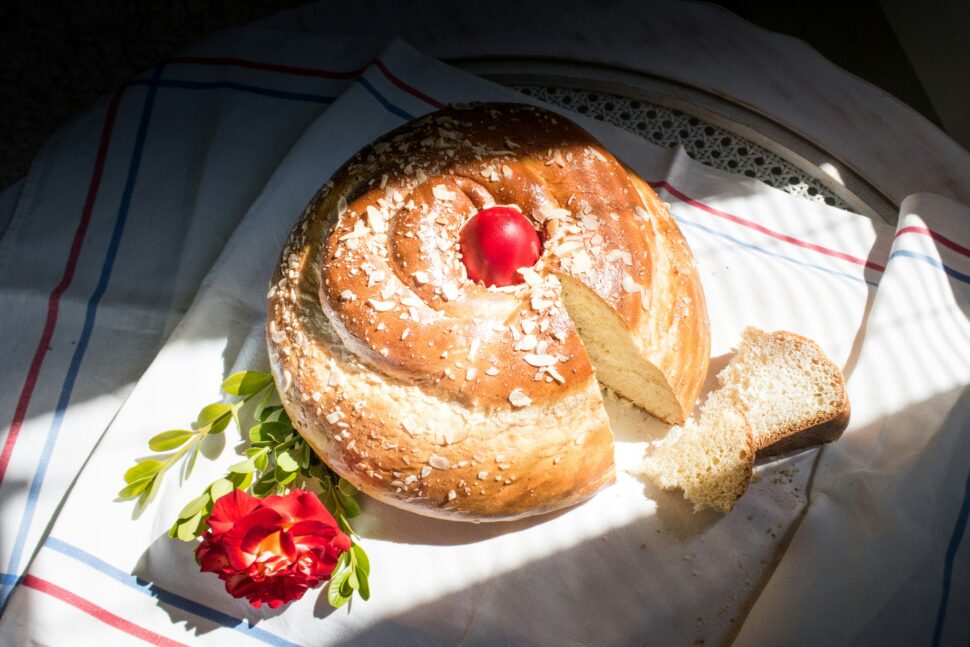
x=710, y=458
x=618, y=363
x=792, y=394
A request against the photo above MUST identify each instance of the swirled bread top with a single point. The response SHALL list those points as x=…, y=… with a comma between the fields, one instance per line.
x=392, y=283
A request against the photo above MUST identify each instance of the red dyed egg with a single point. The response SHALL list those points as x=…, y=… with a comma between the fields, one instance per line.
x=496, y=242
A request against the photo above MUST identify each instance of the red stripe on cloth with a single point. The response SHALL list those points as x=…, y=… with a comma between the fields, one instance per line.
x=768, y=232
x=407, y=88
x=308, y=71
x=54, y=300
x=940, y=238
x=100, y=613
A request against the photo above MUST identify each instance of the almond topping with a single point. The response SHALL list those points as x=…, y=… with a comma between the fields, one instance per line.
x=519, y=399
x=540, y=360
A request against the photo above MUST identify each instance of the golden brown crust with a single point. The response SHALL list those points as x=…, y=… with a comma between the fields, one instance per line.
x=441, y=396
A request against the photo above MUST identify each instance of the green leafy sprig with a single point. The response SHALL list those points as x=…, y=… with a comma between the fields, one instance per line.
x=277, y=459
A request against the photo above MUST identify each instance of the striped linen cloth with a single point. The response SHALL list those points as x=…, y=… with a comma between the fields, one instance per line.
x=619, y=569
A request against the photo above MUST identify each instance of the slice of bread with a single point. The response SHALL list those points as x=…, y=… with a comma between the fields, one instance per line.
x=778, y=393
x=711, y=459
x=792, y=394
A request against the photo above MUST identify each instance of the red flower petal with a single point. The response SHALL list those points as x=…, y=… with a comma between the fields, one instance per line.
x=299, y=505
x=230, y=508
x=242, y=542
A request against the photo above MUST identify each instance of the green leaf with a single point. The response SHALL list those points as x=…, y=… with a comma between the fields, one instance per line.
x=349, y=504
x=270, y=432
x=363, y=562
x=169, y=439
x=246, y=382
x=193, y=456
x=286, y=462
x=194, y=506
x=265, y=412
x=220, y=488
x=134, y=488
x=264, y=486
x=353, y=581
x=262, y=462
x=364, y=585
x=285, y=478
x=241, y=481
x=243, y=467
x=142, y=469
x=345, y=487
x=218, y=413
x=189, y=529
x=334, y=596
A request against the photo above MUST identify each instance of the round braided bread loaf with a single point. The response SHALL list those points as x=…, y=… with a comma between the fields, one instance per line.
x=452, y=399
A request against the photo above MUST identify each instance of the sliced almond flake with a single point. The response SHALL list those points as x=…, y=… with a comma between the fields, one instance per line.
x=375, y=220
x=556, y=460
x=334, y=417
x=334, y=379
x=470, y=374
x=533, y=359
x=449, y=291
x=420, y=176
x=532, y=278
x=347, y=295
x=388, y=291
x=315, y=396
x=384, y=180
x=441, y=192
x=629, y=285
x=412, y=302
x=421, y=277
x=473, y=348
x=439, y=462
x=410, y=426
x=409, y=479
x=341, y=206
x=544, y=325
x=404, y=335
x=590, y=222
x=451, y=495
x=380, y=325
x=491, y=371
x=582, y=263
x=352, y=443
x=554, y=374
x=504, y=466
x=541, y=304
x=519, y=399
x=506, y=170
x=482, y=475
x=595, y=153
x=541, y=347
x=425, y=471
x=380, y=306
x=527, y=343
x=375, y=277
x=528, y=326
x=567, y=247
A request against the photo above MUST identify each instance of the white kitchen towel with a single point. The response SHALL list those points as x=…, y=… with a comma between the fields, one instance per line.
x=113, y=229
x=880, y=557
x=622, y=568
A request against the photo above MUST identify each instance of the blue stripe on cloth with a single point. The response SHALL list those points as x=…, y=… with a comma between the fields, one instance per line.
x=75, y=366
x=393, y=109
x=8, y=578
x=960, y=276
x=761, y=250
x=229, y=85
x=165, y=596
x=6, y=585
x=951, y=553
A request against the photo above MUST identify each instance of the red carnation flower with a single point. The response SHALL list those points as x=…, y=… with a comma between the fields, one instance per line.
x=271, y=550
